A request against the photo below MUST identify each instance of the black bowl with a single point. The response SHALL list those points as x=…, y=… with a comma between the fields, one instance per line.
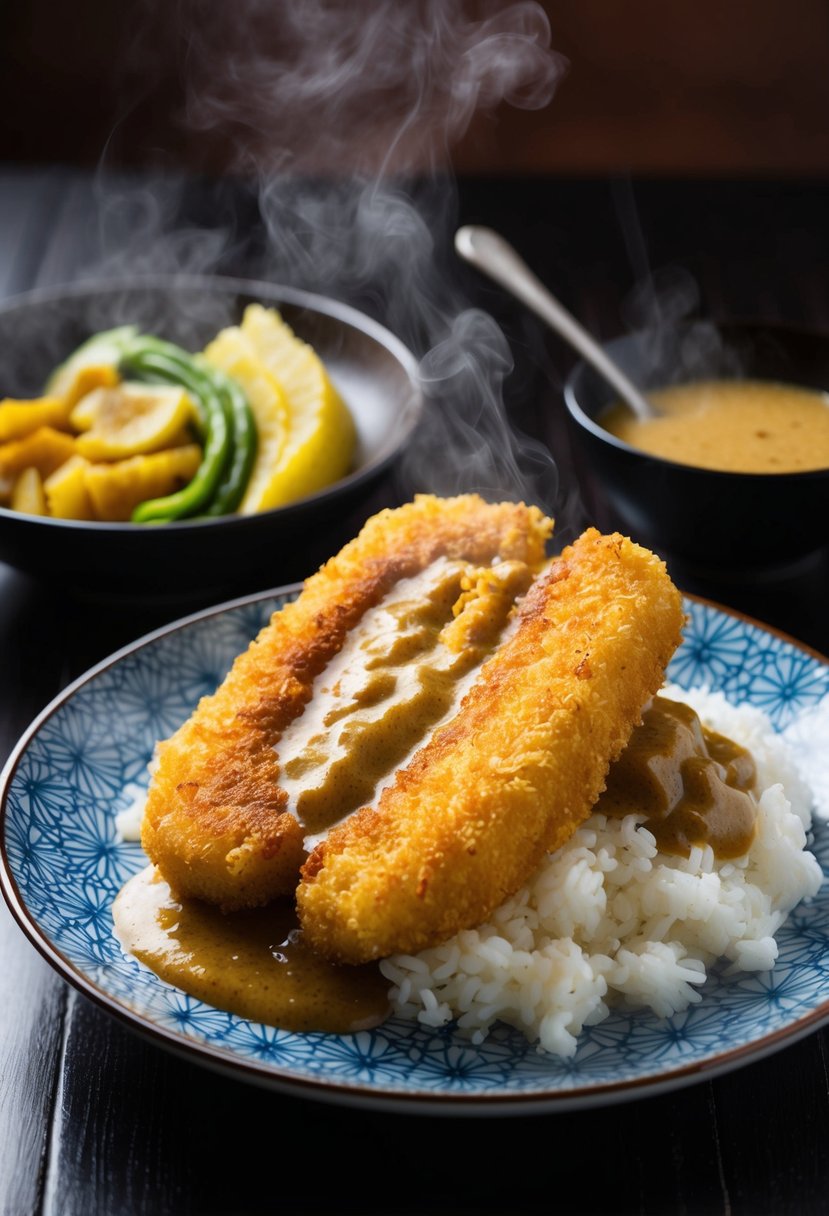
x=714, y=524
x=375, y=374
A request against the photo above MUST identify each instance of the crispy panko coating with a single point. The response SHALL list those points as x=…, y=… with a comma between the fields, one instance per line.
x=512, y=775
x=216, y=823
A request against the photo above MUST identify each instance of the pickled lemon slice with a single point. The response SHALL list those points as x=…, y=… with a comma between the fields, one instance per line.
x=318, y=436
x=232, y=353
x=321, y=437
x=130, y=420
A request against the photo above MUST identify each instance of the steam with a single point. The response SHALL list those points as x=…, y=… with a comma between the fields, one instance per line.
x=343, y=117
x=675, y=345
x=319, y=86
x=141, y=229
x=467, y=369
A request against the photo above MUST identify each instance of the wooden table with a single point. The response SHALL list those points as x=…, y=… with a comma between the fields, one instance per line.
x=93, y=1119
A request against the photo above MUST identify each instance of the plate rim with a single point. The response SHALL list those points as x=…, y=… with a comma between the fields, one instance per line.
x=346, y=1093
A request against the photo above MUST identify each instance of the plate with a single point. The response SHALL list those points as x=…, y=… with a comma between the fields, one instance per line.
x=83, y=760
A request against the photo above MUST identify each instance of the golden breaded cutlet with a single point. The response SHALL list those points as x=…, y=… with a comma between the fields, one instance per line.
x=216, y=822
x=513, y=774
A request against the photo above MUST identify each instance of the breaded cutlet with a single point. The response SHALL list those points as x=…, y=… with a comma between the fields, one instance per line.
x=217, y=823
x=512, y=775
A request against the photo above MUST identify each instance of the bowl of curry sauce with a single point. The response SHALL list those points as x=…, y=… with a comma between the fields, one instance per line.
x=732, y=476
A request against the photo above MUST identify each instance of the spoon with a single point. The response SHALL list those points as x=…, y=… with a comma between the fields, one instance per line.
x=490, y=253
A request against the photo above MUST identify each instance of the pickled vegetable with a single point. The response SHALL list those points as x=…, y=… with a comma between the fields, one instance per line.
x=132, y=427
x=20, y=418
x=319, y=444
x=102, y=350
x=45, y=450
x=115, y=490
x=171, y=365
x=27, y=495
x=131, y=420
x=231, y=354
x=66, y=493
x=88, y=378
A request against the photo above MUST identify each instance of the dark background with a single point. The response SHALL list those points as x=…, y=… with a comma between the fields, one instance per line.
x=656, y=87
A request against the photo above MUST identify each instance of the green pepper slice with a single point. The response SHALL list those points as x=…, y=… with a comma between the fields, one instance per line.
x=234, y=482
x=151, y=358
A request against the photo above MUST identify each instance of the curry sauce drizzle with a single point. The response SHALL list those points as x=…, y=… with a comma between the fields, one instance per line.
x=254, y=963
x=403, y=672
x=693, y=785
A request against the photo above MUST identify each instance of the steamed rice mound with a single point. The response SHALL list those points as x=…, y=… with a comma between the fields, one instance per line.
x=608, y=919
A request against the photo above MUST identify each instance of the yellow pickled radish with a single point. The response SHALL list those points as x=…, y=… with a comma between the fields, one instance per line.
x=19, y=418
x=321, y=438
x=116, y=489
x=130, y=420
x=27, y=495
x=44, y=449
x=232, y=354
x=65, y=490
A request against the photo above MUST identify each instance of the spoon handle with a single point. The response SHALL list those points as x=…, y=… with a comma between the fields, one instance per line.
x=489, y=252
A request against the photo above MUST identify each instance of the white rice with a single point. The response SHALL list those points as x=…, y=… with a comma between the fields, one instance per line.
x=128, y=821
x=608, y=919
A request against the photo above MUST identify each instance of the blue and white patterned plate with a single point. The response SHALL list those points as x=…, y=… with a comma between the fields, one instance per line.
x=79, y=765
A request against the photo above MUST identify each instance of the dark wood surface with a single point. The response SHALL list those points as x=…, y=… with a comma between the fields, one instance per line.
x=95, y=1120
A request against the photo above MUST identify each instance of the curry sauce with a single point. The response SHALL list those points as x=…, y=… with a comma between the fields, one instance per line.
x=401, y=673
x=693, y=785
x=254, y=963
x=737, y=426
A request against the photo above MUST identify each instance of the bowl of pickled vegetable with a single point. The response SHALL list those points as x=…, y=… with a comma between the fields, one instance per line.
x=175, y=437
